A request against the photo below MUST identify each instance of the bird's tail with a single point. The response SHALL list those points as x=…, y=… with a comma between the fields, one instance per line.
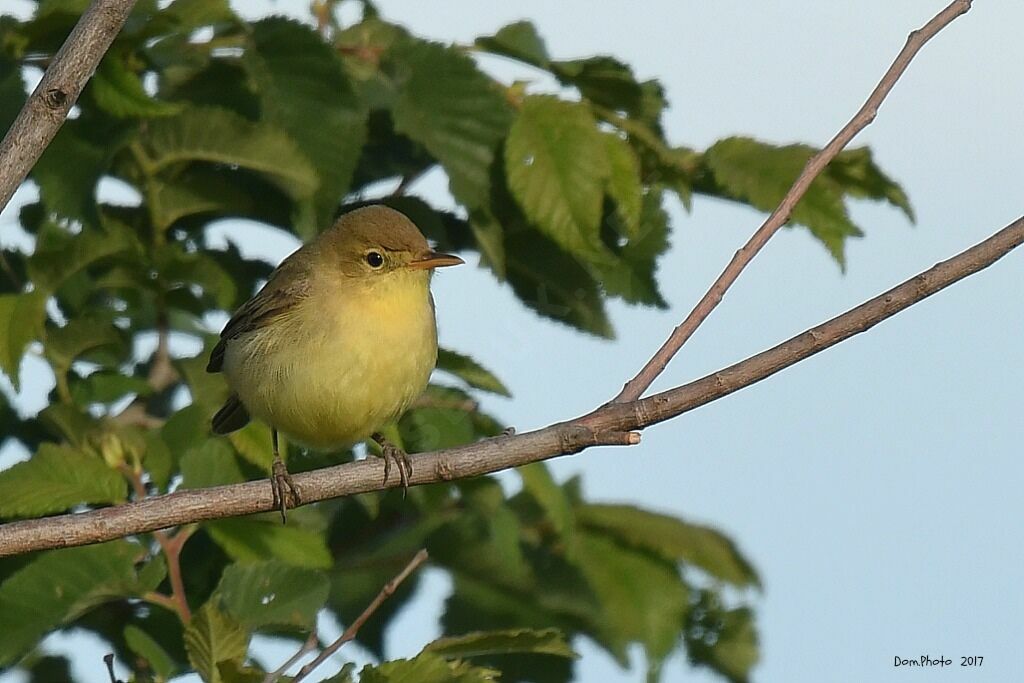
x=231, y=416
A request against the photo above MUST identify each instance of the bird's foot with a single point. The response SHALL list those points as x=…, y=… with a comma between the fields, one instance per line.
x=390, y=452
x=286, y=493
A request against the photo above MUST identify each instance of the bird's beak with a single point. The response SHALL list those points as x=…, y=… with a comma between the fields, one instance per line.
x=433, y=259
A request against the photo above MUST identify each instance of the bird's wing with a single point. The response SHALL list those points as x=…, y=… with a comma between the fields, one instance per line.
x=288, y=284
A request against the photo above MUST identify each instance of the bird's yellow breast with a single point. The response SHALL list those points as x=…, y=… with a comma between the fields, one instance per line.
x=342, y=363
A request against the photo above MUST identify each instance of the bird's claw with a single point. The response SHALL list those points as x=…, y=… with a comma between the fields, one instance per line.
x=390, y=452
x=286, y=493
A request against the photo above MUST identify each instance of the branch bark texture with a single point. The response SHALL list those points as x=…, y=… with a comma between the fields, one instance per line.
x=48, y=106
x=635, y=387
x=611, y=424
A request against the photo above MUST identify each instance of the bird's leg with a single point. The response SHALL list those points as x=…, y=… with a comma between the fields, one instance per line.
x=389, y=452
x=280, y=480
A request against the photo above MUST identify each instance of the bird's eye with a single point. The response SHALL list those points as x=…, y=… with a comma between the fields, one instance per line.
x=375, y=259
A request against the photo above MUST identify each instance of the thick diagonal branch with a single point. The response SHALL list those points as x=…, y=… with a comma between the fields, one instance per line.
x=48, y=106
x=635, y=387
x=611, y=424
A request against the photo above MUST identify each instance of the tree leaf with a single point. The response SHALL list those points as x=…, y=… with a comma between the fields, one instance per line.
x=470, y=372
x=553, y=284
x=222, y=137
x=107, y=387
x=624, y=185
x=760, y=175
x=450, y=107
x=540, y=486
x=249, y=540
x=518, y=40
x=303, y=89
x=855, y=170
x=426, y=668
x=273, y=592
x=63, y=255
x=213, y=637
x=557, y=165
x=119, y=91
x=672, y=539
x=12, y=91
x=603, y=80
x=21, y=321
x=59, y=585
x=78, y=336
x=444, y=417
x=67, y=188
x=148, y=649
x=212, y=463
x=644, y=599
x=724, y=640
x=55, y=479
x=549, y=641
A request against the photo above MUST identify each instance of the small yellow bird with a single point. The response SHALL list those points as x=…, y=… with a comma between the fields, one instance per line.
x=338, y=342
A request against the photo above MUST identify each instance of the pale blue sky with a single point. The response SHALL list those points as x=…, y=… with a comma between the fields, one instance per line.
x=875, y=486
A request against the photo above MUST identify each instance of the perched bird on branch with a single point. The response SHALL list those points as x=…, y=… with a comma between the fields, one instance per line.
x=338, y=342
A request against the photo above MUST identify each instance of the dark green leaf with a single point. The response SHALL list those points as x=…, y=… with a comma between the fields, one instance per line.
x=855, y=170
x=761, y=174
x=57, y=586
x=470, y=372
x=624, y=185
x=249, y=540
x=212, y=463
x=273, y=593
x=67, y=173
x=450, y=107
x=523, y=640
x=553, y=284
x=672, y=539
x=119, y=91
x=65, y=344
x=557, y=165
x=213, y=637
x=107, y=387
x=444, y=417
x=426, y=668
x=518, y=40
x=539, y=485
x=723, y=639
x=149, y=650
x=304, y=90
x=55, y=479
x=12, y=91
x=603, y=80
x=221, y=137
x=21, y=321
x=64, y=255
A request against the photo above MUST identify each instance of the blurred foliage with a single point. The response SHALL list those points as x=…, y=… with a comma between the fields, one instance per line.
x=207, y=116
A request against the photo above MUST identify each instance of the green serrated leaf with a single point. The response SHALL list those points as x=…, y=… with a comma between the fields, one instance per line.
x=624, y=186
x=55, y=479
x=554, y=285
x=64, y=255
x=450, y=107
x=21, y=321
x=539, y=485
x=760, y=175
x=470, y=372
x=856, y=172
x=253, y=442
x=107, y=387
x=220, y=136
x=212, y=463
x=603, y=80
x=80, y=335
x=549, y=641
x=444, y=417
x=248, y=540
x=195, y=13
x=118, y=90
x=213, y=637
x=518, y=40
x=724, y=640
x=272, y=592
x=672, y=539
x=59, y=585
x=66, y=188
x=426, y=668
x=557, y=165
x=148, y=649
x=644, y=599
x=303, y=88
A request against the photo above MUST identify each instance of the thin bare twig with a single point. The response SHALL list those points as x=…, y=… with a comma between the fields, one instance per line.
x=308, y=646
x=171, y=547
x=609, y=425
x=350, y=633
x=635, y=387
x=48, y=106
